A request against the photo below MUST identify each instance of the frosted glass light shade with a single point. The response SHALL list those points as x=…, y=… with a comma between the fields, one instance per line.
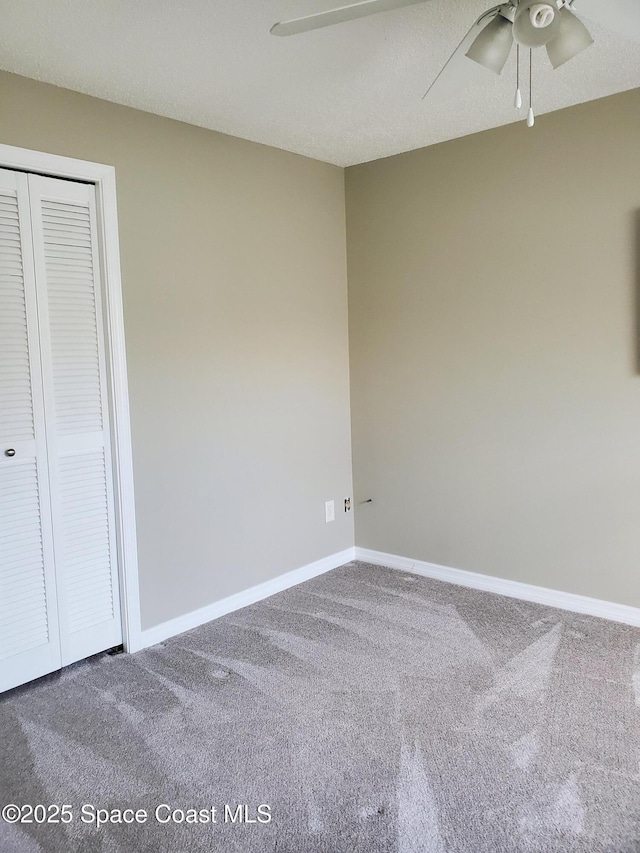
x=491, y=48
x=571, y=40
x=535, y=23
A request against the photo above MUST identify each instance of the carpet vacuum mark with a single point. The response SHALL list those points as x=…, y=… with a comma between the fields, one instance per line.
x=365, y=710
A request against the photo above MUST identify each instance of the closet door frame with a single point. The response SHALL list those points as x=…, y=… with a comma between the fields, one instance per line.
x=104, y=179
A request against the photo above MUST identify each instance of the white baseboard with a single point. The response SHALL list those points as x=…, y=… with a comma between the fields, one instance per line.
x=180, y=624
x=512, y=589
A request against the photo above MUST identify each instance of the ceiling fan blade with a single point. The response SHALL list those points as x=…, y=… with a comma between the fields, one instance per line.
x=338, y=16
x=453, y=64
x=619, y=16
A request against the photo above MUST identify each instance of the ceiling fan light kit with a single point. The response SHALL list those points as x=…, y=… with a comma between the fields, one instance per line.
x=493, y=46
x=531, y=24
x=535, y=24
x=573, y=38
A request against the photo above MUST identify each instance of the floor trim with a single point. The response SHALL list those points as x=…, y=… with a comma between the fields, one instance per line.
x=513, y=589
x=180, y=624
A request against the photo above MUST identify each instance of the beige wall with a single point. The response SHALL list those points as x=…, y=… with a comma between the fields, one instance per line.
x=494, y=351
x=494, y=347
x=234, y=286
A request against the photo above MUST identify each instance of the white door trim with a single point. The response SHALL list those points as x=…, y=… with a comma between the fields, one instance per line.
x=104, y=178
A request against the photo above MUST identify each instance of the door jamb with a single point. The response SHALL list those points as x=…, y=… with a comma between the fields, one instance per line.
x=104, y=179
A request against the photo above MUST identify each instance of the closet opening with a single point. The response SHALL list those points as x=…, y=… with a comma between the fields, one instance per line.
x=68, y=567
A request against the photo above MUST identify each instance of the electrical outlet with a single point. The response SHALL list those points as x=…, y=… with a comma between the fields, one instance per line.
x=329, y=511
x=347, y=504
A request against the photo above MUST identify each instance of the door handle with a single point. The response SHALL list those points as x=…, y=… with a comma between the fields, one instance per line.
x=10, y=452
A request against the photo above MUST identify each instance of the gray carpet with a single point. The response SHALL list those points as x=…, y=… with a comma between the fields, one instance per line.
x=371, y=710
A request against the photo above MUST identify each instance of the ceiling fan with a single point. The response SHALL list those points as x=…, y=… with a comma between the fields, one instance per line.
x=553, y=24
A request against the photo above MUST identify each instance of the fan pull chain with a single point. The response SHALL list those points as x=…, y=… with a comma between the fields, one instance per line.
x=530, y=117
x=518, y=99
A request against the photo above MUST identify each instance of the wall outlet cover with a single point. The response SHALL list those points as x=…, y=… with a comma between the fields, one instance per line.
x=329, y=511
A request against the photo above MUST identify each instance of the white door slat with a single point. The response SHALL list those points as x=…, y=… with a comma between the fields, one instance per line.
x=25, y=562
x=20, y=550
x=17, y=363
x=72, y=401
x=73, y=313
x=94, y=563
x=79, y=425
x=58, y=233
x=99, y=585
x=73, y=237
x=21, y=429
x=23, y=536
x=15, y=641
x=89, y=613
x=17, y=468
x=22, y=599
x=34, y=627
x=82, y=482
x=80, y=466
x=23, y=567
x=21, y=590
x=78, y=550
x=17, y=482
x=14, y=375
x=74, y=416
x=76, y=461
x=67, y=255
x=8, y=529
x=61, y=223
x=94, y=619
x=73, y=386
x=93, y=531
x=18, y=474
x=75, y=282
x=79, y=522
x=63, y=277
x=14, y=337
x=19, y=507
x=80, y=372
x=17, y=580
x=24, y=644
x=83, y=496
x=89, y=553
x=28, y=610
x=18, y=511
x=17, y=492
x=65, y=364
x=19, y=599
x=13, y=394
x=77, y=547
x=67, y=209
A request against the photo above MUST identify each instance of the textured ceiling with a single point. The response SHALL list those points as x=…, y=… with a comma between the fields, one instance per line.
x=346, y=94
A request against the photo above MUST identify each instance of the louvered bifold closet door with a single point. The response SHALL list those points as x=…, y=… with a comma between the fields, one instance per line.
x=68, y=285
x=29, y=641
